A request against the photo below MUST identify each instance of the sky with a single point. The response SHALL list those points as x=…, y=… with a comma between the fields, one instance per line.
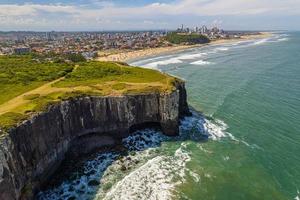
x=105, y=15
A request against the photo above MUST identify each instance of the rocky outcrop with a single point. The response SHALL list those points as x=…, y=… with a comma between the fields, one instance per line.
x=32, y=151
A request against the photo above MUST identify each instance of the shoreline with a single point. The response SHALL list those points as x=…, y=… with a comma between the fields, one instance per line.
x=128, y=56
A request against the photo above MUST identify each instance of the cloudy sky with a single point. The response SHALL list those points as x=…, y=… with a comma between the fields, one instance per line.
x=99, y=15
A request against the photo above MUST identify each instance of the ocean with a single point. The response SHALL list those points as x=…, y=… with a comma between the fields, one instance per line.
x=242, y=141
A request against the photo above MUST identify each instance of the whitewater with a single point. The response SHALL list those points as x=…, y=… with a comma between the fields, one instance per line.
x=241, y=142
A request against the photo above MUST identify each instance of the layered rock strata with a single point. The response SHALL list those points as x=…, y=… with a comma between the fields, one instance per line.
x=31, y=152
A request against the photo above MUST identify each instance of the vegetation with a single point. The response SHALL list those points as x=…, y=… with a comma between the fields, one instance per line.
x=75, y=57
x=58, y=58
x=90, y=73
x=19, y=74
x=177, y=38
x=10, y=118
x=28, y=87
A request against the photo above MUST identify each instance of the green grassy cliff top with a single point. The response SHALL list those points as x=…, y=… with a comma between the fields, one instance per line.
x=181, y=38
x=29, y=86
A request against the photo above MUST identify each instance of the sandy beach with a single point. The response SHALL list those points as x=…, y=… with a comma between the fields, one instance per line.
x=131, y=55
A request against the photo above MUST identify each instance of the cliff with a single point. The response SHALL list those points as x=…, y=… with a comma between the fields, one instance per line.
x=33, y=150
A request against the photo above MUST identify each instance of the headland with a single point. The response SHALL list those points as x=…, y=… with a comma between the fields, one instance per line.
x=58, y=109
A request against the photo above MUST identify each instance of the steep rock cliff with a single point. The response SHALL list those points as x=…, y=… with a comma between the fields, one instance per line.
x=32, y=151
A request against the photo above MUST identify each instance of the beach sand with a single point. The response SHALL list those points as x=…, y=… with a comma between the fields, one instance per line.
x=136, y=54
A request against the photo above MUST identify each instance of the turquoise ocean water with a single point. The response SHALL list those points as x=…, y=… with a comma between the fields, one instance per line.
x=249, y=93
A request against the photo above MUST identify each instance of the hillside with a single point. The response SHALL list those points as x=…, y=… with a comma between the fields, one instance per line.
x=177, y=38
x=28, y=87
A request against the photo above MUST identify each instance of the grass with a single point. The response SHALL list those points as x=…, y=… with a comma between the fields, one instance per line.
x=9, y=119
x=119, y=86
x=28, y=87
x=177, y=38
x=31, y=96
x=19, y=74
x=91, y=73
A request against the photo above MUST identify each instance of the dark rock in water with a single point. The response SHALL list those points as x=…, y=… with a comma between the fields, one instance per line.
x=120, y=148
x=81, y=191
x=123, y=168
x=93, y=183
x=72, y=198
x=31, y=152
x=71, y=189
x=90, y=173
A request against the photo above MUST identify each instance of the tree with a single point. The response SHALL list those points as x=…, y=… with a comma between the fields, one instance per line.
x=176, y=38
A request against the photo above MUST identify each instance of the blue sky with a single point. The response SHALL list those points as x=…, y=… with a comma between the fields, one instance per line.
x=98, y=15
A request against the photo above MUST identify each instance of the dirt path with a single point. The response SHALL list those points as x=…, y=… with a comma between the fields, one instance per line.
x=47, y=88
x=20, y=100
x=42, y=90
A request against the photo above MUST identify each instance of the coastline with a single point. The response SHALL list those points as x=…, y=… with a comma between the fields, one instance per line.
x=77, y=125
x=127, y=56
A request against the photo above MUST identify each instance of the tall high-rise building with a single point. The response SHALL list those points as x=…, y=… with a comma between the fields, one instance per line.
x=203, y=30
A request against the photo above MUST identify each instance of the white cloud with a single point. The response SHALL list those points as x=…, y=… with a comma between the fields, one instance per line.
x=33, y=9
x=105, y=12
x=148, y=22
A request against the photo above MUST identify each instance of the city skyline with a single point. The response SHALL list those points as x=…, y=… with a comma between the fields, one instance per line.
x=99, y=15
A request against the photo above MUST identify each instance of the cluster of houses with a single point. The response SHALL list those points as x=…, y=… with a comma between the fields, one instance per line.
x=86, y=43
x=90, y=43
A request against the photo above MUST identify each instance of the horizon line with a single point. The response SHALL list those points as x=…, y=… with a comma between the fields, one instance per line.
x=136, y=30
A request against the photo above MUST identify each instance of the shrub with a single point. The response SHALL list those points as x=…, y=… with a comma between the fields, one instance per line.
x=75, y=57
x=31, y=96
x=176, y=38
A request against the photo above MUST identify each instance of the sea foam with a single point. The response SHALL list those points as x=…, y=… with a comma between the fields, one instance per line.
x=201, y=62
x=144, y=173
x=298, y=195
x=148, y=60
x=81, y=187
x=174, y=60
x=154, y=65
x=197, y=125
x=262, y=41
x=222, y=49
x=191, y=56
x=282, y=39
x=154, y=179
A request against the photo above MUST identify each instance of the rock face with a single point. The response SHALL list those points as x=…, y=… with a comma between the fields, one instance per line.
x=32, y=151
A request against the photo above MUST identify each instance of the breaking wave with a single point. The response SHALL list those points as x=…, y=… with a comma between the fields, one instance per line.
x=262, y=41
x=298, y=195
x=153, y=180
x=149, y=60
x=222, y=49
x=144, y=172
x=201, y=62
x=164, y=60
x=154, y=65
x=174, y=60
x=191, y=56
x=197, y=126
x=283, y=39
x=83, y=186
x=274, y=38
